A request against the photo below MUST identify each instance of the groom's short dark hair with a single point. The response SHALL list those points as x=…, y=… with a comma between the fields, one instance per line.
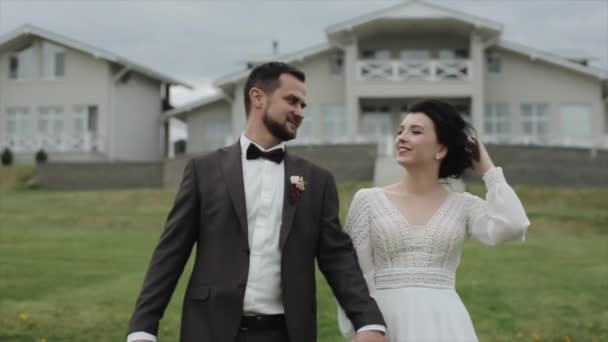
x=266, y=77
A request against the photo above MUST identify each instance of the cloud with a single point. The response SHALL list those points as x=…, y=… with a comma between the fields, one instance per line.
x=195, y=40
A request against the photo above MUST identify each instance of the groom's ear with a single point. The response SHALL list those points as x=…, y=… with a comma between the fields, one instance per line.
x=257, y=97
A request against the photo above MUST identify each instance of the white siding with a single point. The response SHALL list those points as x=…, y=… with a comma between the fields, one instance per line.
x=198, y=122
x=86, y=82
x=523, y=80
x=136, y=123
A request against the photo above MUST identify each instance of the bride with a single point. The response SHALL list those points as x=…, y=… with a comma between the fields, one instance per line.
x=409, y=235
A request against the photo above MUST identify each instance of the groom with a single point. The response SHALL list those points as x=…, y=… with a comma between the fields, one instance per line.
x=258, y=218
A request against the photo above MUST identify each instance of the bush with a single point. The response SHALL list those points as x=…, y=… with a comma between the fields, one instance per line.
x=7, y=157
x=41, y=157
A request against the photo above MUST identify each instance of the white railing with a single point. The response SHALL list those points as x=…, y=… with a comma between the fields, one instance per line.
x=601, y=142
x=386, y=142
x=50, y=142
x=433, y=70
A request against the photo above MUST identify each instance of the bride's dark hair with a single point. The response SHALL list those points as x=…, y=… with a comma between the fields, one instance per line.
x=453, y=132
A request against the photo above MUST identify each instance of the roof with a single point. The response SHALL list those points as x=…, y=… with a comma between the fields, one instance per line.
x=188, y=107
x=414, y=9
x=553, y=59
x=27, y=30
x=287, y=58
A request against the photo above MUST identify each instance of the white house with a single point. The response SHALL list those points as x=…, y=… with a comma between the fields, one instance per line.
x=362, y=80
x=78, y=102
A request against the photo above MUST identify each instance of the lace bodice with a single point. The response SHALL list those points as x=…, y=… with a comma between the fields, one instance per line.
x=394, y=253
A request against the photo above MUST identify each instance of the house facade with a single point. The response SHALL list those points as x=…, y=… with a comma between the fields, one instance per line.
x=78, y=102
x=362, y=80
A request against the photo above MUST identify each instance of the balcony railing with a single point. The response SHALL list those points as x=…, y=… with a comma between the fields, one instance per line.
x=433, y=70
x=52, y=142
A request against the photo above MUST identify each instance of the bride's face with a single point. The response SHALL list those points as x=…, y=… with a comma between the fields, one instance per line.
x=416, y=142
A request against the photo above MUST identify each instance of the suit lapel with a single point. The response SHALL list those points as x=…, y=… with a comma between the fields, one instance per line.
x=292, y=168
x=232, y=167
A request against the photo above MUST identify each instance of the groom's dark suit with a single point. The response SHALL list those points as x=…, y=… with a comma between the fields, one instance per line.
x=210, y=212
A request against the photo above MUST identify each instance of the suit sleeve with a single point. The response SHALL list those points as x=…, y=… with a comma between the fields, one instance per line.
x=170, y=256
x=338, y=262
x=357, y=226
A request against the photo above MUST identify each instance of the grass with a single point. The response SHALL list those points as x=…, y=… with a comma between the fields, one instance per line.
x=72, y=264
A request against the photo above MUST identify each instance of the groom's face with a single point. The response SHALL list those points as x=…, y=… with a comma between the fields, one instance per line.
x=284, y=110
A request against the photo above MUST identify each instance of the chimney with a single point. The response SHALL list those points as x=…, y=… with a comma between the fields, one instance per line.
x=275, y=47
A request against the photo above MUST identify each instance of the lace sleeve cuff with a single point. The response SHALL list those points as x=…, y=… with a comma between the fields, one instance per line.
x=493, y=177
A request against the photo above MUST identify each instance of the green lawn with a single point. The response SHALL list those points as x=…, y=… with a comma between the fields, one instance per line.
x=72, y=263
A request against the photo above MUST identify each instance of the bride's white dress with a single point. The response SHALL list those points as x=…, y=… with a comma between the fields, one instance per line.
x=411, y=269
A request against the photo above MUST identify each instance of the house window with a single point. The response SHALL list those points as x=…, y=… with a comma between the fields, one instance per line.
x=535, y=122
x=20, y=64
x=493, y=62
x=334, y=122
x=50, y=121
x=92, y=119
x=305, y=129
x=576, y=124
x=497, y=121
x=80, y=120
x=376, y=122
x=376, y=54
x=18, y=122
x=53, y=61
x=453, y=54
x=415, y=54
x=216, y=133
x=336, y=63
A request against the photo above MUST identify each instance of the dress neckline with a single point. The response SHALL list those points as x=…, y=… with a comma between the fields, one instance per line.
x=432, y=218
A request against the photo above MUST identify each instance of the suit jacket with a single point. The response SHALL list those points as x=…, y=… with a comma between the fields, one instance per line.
x=209, y=213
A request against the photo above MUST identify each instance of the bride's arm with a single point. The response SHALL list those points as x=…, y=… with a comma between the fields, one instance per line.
x=501, y=217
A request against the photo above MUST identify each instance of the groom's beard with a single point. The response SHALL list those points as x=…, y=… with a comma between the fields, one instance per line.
x=276, y=129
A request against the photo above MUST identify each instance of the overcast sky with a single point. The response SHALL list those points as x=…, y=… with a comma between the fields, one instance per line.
x=197, y=41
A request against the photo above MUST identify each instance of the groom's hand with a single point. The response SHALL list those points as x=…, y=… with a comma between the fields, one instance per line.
x=369, y=336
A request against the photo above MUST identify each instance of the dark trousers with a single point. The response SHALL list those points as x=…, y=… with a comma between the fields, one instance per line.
x=270, y=335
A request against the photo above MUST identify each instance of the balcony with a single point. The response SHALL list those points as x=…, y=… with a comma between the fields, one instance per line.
x=430, y=70
x=53, y=143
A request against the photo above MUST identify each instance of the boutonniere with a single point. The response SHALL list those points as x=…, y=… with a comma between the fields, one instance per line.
x=297, y=186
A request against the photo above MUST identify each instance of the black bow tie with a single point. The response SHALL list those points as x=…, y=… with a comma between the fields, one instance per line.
x=276, y=155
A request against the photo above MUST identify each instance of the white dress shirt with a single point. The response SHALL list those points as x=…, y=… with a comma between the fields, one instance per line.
x=264, y=191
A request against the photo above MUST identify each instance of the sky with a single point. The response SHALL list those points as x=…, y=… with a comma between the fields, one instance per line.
x=199, y=41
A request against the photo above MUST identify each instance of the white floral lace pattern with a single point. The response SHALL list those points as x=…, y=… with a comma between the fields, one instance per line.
x=393, y=255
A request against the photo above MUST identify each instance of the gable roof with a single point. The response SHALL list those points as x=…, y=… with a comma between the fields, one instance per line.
x=415, y=9
x=287, y=58
x=188, y=107
x=553, y=59
x=30, y=30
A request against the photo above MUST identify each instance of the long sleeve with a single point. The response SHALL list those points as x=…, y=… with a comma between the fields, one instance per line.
x=169, y=258
x=337, y=260
x=501, y=217
x=357, y=226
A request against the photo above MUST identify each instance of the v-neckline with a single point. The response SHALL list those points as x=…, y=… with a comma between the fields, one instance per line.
x=433, y=217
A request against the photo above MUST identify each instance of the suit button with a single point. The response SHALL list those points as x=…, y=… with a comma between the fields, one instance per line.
x=246, y=251
x=242, y=286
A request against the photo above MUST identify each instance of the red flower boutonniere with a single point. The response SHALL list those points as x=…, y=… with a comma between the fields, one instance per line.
x=296, y=187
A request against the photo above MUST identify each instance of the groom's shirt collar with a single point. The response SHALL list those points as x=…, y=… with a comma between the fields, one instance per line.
x=245, y=142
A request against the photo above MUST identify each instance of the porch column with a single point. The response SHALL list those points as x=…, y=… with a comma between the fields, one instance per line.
x=477, y=72
x=351, y=56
